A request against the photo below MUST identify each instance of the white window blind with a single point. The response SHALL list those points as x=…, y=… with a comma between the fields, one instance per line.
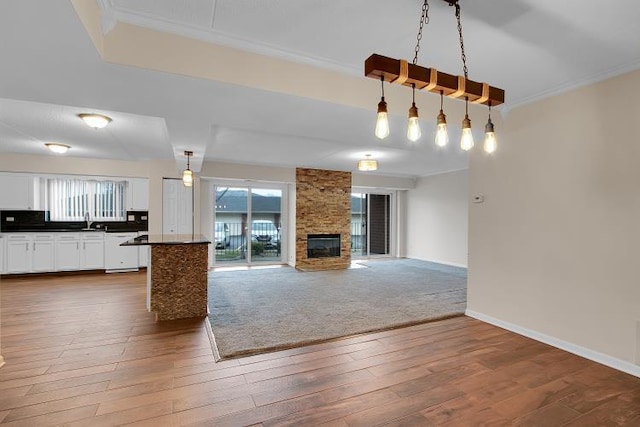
x=70, y=199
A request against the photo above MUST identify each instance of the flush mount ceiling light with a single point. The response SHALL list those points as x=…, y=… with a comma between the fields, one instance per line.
x=57, y=148
x=187, y=174
x=367, y=164
x=430, y=79
x=96, y=121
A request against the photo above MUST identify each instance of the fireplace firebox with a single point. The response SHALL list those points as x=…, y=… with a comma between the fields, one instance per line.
x=323, y=245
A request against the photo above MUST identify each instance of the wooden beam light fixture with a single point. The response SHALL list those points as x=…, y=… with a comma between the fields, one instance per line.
x=399, y=71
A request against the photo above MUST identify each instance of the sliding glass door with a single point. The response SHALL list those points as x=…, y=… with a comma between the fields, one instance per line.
x=370, y=224
x=247, y=225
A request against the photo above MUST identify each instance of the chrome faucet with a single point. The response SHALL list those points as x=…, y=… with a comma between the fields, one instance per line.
x=87, y=218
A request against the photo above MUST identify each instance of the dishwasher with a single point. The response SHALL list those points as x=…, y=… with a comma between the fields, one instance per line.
x=120, y=258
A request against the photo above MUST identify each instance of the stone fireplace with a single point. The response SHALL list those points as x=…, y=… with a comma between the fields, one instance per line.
x=323, y=219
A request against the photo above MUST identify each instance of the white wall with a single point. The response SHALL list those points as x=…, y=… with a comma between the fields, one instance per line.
x=437, y=212
x=554, y=249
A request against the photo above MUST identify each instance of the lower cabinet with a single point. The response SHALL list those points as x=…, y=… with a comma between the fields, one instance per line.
x=30, y=253
x=92, y=256
x=18, y=253
x=67, y=251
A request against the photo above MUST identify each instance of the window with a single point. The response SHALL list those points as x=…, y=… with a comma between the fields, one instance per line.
x=71, y=199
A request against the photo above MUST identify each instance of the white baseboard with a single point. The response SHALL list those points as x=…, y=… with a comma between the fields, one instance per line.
x=437, y=261
x=595, y=356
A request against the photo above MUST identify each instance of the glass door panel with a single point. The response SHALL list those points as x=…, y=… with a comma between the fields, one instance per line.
x=266, y=225
x=231, y=216
x=370, y=224
x=248, y=225
x=358, y=224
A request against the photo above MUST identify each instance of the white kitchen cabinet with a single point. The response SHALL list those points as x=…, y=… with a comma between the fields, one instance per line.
x=118, y=258
x=43, y=252
x=92, y=255
x=16, y=191
x=18, y=253
x=138, y=194
x=29, y=252
x=67, y=251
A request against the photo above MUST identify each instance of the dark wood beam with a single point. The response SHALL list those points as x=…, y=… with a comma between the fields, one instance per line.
x=377, y=66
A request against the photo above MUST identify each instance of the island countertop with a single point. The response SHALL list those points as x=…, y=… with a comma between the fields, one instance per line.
x=170, y=239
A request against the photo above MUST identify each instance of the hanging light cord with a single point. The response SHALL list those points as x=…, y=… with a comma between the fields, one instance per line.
x=424, y=19
x=462, y=54
x=382, y=84
x=441, y=98
x=413, y=96
x=489, y=110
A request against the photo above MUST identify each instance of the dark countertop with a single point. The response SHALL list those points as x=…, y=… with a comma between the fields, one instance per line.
x=161, y=239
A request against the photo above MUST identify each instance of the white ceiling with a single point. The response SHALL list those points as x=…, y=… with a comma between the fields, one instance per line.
x=52, y=71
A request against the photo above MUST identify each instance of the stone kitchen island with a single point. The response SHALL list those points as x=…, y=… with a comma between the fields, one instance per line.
x=176, y=275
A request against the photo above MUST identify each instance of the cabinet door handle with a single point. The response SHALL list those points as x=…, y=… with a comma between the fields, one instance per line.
x=34, y=246
x=77, y=246
x=26, y=246
x=84, y=245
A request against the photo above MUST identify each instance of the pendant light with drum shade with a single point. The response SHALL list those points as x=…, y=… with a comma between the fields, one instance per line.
x=367, y=164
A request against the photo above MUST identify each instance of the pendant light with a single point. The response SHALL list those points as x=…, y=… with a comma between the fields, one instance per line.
x=413, y=127
x=382, y=122
x=466, y=142
x=442, y=135
x=410, y=74
x=187, y=174
x=490, y=143
x=367, y=164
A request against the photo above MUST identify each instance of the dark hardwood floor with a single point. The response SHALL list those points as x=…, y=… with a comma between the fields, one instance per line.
x=82, y=350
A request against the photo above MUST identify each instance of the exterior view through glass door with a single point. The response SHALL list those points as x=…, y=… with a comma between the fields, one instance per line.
x=248, y=225
x=370, y=224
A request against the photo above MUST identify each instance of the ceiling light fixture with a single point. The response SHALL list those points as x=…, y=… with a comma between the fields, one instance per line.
x=96, y=121
x=430, y=79
x=57, y=148
x=367, y=164
x=187, y=174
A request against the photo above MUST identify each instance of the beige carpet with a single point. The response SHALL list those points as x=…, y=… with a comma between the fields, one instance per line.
x=262, y=310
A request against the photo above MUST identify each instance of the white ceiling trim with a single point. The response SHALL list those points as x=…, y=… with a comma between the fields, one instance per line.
x=574, y=84
x=159, y=23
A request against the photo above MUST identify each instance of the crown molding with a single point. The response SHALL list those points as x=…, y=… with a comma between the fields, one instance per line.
x=113, y=14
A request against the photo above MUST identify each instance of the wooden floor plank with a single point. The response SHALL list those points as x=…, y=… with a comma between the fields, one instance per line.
x=82, y=350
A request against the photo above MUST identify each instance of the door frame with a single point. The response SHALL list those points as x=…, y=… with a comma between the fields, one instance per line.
x=249, y=185
x=393, y=221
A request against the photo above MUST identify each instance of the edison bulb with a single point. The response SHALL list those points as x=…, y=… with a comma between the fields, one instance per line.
x=382, y=125
x=466, y=142
x=413, y=129
x=490, y=143
x=442, y=135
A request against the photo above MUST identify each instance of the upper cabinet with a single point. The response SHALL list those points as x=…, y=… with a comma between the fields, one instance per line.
x=16, y=192
x=138, y=194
